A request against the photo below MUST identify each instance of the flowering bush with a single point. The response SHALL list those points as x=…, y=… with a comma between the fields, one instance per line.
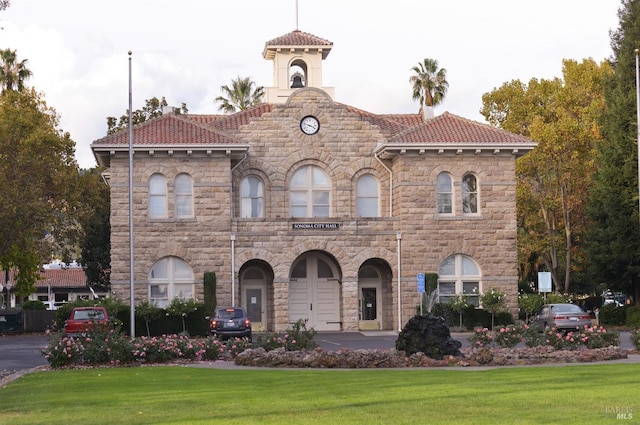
x=508, y=336
x=598, y=337
x=99, y=346
x=116, y=348
x=532, y=336
x=482, y=337
x=296, y=338
x=635, y=338
x=563, y=340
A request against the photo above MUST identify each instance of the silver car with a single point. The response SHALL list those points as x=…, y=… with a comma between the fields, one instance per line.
x=562, y=316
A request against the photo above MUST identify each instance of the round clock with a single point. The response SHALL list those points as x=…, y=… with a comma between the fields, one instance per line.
x=309, y=125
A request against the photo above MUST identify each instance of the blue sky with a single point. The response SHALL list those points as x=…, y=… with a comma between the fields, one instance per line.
x=185, y=50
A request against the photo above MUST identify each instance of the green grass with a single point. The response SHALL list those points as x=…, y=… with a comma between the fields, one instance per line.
x=575, y=394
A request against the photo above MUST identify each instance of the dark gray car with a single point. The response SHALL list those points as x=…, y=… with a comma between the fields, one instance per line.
x=562, y=316
x=229, y=322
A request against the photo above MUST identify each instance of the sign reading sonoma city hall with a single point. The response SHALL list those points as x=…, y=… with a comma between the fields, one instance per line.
x=322, y=226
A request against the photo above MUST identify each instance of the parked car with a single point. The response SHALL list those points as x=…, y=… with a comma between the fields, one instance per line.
x=229, y=322
x=83, y=319
x=562, y=316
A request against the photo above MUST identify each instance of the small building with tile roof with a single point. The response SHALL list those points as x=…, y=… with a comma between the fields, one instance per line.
x=309, y=209
x=59, y=283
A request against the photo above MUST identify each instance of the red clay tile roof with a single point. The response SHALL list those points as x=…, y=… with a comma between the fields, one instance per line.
x=72, y=277
x=296, y=38
x=171, y=129
x=230, y=124
x=389, y=124
x=452, y=129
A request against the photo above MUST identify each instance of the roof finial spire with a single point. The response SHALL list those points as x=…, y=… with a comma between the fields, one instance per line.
x=296, y=15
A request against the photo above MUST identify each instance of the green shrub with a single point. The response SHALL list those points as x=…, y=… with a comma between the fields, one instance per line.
x=34, y=305
x=633, y=317
x=610, y=315
x=210, y=298
x=445, y=311
x=530, y=304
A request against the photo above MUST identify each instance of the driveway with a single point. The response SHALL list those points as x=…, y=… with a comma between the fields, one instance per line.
x=20, y=352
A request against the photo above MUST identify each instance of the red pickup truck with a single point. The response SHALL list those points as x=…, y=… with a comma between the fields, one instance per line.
x=83, y=319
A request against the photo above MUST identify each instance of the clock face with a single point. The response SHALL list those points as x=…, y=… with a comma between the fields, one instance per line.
x=309, y=125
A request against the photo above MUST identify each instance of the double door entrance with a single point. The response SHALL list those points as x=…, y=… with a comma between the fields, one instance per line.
x=314, y=292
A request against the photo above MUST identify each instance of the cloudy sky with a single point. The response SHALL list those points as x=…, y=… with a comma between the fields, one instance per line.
x=185, y=50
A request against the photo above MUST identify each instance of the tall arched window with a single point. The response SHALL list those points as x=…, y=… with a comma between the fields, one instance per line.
x=444, y=194
x=310, y=193
x=251, y=197
x=469, y=194
x=184, y=195
x=170, y=278
x=367, y=200
x=157, y=196
x=459, y=275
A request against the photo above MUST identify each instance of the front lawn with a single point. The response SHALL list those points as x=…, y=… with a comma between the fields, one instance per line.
x=575, y=394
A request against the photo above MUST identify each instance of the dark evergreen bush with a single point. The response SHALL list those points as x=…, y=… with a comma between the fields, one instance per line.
x=34, y=305
x=610, y=315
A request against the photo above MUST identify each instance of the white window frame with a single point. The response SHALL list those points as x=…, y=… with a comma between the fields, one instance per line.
x=444, y=194
x=157, y=207
x=367, y=196
x=469, y=207
x=251, y=197
x=463, y=274
x=183, y=194
x=308, y=197
x=170, y=277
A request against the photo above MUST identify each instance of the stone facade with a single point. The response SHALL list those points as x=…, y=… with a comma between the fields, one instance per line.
x=340, y=270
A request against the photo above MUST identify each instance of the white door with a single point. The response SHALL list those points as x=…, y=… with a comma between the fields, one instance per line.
x=314, y=293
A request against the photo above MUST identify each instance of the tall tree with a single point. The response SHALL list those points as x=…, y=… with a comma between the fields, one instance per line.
x=13, y=73
x=37, y=180
x=429, y=82
x=94, y=219
x=242, y=95
x=554, y=179
x=152, y=108
x=614, y=237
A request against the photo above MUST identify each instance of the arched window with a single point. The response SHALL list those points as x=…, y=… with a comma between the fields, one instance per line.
x=444, y=194
x=184, y=195
x=469, y=194
x=251, y=197
x=459, y=275
x=310, y=193
x=157, y=196
x=170, y=278
x=367, y=200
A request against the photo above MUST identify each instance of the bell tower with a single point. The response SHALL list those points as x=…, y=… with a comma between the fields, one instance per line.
x=297, y=63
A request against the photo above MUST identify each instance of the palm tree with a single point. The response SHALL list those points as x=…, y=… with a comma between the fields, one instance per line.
x=429, y=83
x=12, y=73
x=240, y=96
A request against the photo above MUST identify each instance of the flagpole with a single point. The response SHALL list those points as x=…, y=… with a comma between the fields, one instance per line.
x=131, y=268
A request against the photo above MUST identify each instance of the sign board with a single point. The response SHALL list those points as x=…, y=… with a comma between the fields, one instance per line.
x=315, y=226
x=420, y=279
x=544, y=282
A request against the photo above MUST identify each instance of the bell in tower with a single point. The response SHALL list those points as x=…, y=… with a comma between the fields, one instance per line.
x=297, y=81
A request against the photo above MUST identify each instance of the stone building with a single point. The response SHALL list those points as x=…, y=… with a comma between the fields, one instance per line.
x=306, y=208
